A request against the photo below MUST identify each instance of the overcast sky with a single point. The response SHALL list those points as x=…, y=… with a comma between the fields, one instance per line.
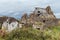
x=18, y=7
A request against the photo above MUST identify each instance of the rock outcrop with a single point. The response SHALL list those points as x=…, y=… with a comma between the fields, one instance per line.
x=8, y=23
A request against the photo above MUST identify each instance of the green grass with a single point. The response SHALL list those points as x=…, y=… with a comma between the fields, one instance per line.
x=52, y=33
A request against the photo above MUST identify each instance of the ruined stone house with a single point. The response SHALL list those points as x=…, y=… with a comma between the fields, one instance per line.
x=44, y=15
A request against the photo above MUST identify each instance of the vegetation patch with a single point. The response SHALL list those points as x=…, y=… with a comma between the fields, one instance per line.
x=33, y=34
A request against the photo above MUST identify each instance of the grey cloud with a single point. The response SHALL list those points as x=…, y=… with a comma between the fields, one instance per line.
x=7, y=7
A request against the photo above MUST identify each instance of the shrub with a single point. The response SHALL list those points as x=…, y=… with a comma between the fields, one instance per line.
x=33, y=34
x=21, y=34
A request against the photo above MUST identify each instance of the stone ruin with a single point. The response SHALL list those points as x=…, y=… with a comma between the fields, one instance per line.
x=39, y=16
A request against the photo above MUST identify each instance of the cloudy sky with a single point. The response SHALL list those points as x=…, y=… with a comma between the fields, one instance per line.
x=16, y=8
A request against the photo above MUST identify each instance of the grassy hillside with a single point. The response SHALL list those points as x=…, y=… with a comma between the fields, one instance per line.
x=52, y=33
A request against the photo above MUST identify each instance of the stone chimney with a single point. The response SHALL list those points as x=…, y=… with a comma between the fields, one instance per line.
x=50, y=12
